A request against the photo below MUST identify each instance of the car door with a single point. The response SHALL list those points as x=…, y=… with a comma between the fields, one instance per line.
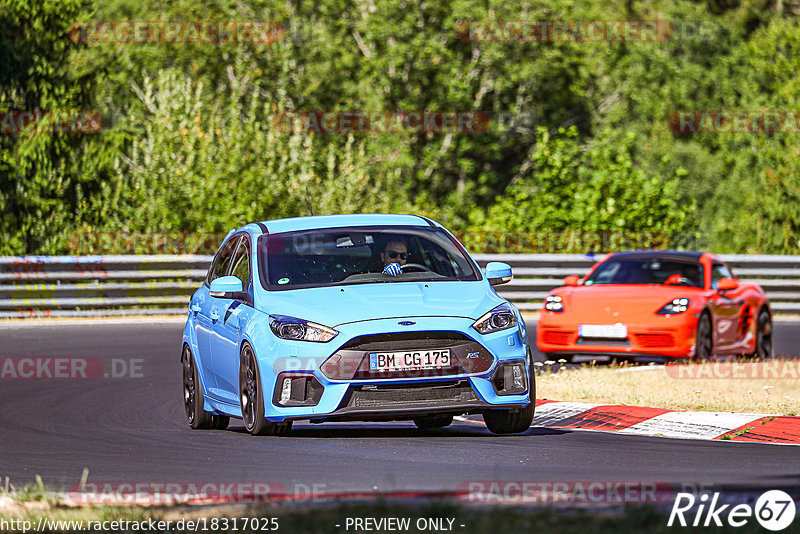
x=202, y=309
x=725, y=307
x=229, y=318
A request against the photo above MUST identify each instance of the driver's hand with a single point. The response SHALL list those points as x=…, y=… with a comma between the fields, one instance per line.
x=393, y=269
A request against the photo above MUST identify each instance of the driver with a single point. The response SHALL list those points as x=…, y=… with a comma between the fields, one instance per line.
x=394, y=256
x=692, y=274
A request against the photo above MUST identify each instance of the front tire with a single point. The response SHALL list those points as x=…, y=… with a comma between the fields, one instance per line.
x=251, y=398
x=510, y=422
x=704, y=342
x=764, y=336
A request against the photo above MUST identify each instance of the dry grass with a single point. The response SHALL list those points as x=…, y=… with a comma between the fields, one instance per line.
x=771, y=388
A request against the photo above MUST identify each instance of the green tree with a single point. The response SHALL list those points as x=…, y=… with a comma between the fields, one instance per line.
x=41, y=189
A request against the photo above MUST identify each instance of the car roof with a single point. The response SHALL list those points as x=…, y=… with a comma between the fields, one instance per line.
x=314, y=222
x=662, y=254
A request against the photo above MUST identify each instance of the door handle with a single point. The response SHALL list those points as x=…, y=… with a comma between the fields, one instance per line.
x=214, y=315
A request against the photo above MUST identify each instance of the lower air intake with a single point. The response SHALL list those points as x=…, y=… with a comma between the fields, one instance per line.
x=435, y=395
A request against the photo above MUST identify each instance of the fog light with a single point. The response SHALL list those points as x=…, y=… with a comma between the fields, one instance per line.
x=293, y=389
x=519, y=383
x=510, y=379
x=286, y=391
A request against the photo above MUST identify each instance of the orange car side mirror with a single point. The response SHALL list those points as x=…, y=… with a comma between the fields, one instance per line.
x=726, y=284
x=572, y=280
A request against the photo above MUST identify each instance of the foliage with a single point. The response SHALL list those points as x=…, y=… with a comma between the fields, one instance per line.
x=570, y=187
x=578, y=138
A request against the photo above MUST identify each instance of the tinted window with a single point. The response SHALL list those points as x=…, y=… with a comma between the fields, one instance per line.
x=241, y=263
x=358, y=255
x=646, y=271
x=719, y=271
x=222, y=262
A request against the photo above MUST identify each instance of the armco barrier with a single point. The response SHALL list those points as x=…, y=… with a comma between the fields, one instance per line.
x=53, y=286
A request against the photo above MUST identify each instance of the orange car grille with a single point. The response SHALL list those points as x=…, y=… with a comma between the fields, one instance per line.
x=556, y=337
x=655, y=341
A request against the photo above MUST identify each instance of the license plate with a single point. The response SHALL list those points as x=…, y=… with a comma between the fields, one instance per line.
x=612, y=331
x=412, y=360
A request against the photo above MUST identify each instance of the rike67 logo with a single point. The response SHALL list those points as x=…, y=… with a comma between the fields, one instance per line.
x=774, y=510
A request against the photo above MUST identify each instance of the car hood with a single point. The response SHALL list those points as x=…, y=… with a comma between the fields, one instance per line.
x=338, y=305
x=621, y=302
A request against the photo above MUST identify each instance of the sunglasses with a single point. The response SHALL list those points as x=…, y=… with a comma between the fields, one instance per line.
x=393, y=254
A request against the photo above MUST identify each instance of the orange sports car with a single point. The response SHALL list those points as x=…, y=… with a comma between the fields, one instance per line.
x=656, y=303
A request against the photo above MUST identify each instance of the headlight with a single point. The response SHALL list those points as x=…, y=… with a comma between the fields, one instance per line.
x=553, y=303
x=299, y=329
x=679, y=305
x=500, y=318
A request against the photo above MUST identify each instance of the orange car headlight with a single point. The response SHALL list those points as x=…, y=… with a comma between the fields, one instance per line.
x=678, y=305
x=554, y=303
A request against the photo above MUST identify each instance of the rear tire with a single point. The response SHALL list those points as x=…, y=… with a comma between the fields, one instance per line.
x=764, y=336
x=433, y=422
x=511, y=422
x=193, y=399
x=251, y=398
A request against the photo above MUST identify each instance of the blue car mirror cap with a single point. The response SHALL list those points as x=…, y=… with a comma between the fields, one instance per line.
x=226, y=287
x=498, y=273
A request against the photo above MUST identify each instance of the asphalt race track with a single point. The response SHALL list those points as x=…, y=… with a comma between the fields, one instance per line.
x=134, y=429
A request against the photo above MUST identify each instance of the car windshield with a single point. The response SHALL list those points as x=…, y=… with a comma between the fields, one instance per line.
x=339, y=256
x=647, y=271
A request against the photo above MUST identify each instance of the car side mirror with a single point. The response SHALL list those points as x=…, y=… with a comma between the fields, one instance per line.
x=726, y=284
x=572, y=280
x=227, y=287
x=498, y=273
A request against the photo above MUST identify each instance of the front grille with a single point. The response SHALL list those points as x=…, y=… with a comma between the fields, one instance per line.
x=417, y=340
x=351, y=362
x=438, y=395
x=556, y=337
x=655, y=341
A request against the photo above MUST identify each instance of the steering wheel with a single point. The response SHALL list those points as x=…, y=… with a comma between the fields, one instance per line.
x=417, y=266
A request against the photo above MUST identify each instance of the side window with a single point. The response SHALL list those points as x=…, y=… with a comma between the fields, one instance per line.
x=223, y=260
x=241, y=263
x=719, y=271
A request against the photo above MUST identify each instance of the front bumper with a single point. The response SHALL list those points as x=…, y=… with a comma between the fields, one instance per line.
x=346, y=390
x=664, y=336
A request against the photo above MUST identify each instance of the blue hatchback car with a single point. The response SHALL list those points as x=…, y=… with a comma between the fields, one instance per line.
x=353, y=317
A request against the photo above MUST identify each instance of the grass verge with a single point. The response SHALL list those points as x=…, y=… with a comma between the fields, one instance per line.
x=747, y=387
